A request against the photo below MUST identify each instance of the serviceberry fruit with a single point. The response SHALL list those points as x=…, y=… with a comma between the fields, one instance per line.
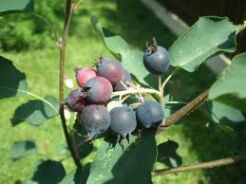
x=99, y=90
x=83, y=75
x=126, y=77
x=95, y=119
x=76, y=100
x=156, y=59
x=110, y=68
x=150, y=114
x=122, y=120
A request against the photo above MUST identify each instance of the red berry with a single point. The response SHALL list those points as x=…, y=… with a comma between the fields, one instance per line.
x=84, y=74
x=99, y=90
x=111, y=69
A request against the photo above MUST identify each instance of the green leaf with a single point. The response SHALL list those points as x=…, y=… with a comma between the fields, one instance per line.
x=51, y=106
x=49, y=172
x=84, y=148
x=78, y=176
x=131, y=59
x=222, y=113
x=207, y=37
x=12, y=81
x=230, y=87
x=36, y=112
x=16, y=5
x=126, y=163
x=22, y=148
x=167, y=154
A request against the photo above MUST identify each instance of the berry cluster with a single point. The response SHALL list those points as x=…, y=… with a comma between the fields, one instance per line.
x=97, y=88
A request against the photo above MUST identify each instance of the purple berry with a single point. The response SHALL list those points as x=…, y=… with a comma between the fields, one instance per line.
x=126, y=77
x=76, y=100
x=150, y=114
x=99, y=90
x=111, y=69
x=95, y=119
x=122, y=120
x=156, y=59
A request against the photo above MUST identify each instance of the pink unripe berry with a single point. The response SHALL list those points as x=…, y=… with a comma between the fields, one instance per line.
x=83, y=75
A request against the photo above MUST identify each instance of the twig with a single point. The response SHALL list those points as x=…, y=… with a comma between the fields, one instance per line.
x=70, y=140
x=204, y=165
x=62, y=46
x=186, y=110
x=77, y=4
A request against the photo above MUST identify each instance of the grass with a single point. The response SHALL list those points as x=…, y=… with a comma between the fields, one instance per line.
x=196, y=141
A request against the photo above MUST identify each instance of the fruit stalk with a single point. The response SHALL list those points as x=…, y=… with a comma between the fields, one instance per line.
x=161, y=90
x=137, y=90
x=204, y=165
x=62, y=48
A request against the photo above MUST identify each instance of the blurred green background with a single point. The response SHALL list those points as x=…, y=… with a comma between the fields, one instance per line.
x=28, y=42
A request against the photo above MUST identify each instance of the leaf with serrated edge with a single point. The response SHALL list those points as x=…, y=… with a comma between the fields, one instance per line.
x=232, y=80
x=36, y=112
x=125, y=163
x=207, y=37
x=12, y=81
x=222, y=113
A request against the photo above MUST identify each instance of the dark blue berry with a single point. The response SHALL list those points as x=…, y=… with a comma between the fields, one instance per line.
x=156, y=59
x=122, y=120
x=95, y=119
x=150, y=114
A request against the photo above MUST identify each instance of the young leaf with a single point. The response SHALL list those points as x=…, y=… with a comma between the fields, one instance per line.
x=36, y=112
x=126, y=163
x=207, y=37
x=12, y=81
x=22, y=148
x=16, y=5
x=51, y=106
x=131, y=59
x=231, y=82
